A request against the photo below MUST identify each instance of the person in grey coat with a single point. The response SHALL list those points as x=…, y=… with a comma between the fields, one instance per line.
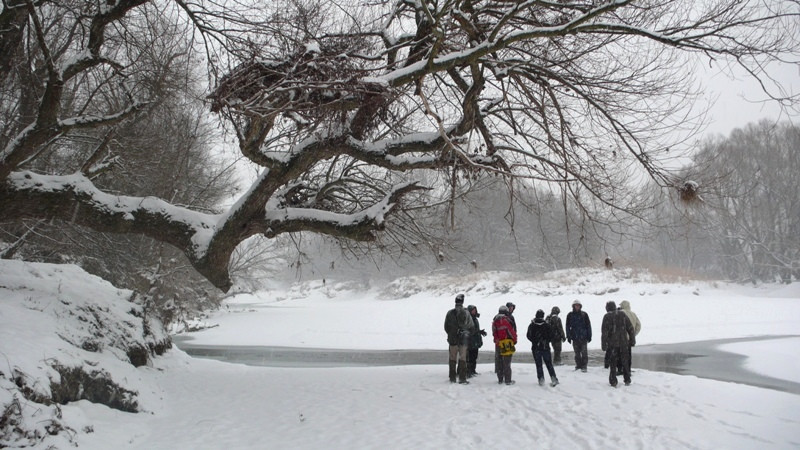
x=625, y=307
x=458, y=326
x=616, y=337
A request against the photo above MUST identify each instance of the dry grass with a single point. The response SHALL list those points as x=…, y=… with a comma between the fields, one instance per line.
x=665, y=274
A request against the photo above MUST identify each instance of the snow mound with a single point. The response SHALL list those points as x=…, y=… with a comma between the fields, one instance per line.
x=577, y=282
x=82, y=339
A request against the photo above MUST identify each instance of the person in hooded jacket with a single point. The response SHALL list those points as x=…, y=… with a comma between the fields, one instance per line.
x=458, y=326
x=558, y=333
x=625, y=307
x=540, y=335
x=502, y=329
x=579, y=334
x=475, y=341
x=617, y=335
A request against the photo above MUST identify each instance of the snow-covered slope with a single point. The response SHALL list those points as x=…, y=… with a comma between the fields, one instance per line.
x=66, y=335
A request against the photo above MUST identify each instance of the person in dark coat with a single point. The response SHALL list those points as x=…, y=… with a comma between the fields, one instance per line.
x=579, y=334
x=511, y=307
x=540, y=335
x=558, y=333
x=617, y=335
x=458, y=326
x=502, y=329
x=475, y=341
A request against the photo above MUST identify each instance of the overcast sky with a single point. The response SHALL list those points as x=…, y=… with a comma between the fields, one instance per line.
x=740, y=101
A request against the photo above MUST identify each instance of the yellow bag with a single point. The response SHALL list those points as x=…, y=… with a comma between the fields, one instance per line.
x=506, y=347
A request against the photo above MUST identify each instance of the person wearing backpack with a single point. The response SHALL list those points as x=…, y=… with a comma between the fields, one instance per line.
x=625, y=307
x=579, y=334
x=617, y=336
x=458, y=326
x=558, y=334
x=540, y=335
x=505, y=339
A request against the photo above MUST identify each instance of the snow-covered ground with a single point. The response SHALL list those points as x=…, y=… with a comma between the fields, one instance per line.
x=203, y=404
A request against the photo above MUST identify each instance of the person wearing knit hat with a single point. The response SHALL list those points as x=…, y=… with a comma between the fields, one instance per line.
x=511, y=307
x=475, y=342
x=579, y=334
x=616, y=337
x=505, y=339
x=625, y=307
x=540, y=335
x=558, y=336
x=458, y=325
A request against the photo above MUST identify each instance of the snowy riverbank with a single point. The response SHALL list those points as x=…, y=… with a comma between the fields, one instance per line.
x=191, y=403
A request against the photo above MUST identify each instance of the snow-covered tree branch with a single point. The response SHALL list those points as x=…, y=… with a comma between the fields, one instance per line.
x=342, y=105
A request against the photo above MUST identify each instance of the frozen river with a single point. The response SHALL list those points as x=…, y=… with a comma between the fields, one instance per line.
x=702, y=359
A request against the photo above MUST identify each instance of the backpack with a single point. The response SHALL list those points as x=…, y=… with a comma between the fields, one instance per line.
x=506, y=347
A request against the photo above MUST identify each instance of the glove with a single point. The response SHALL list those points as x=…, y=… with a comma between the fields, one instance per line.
x=633, y=342
x=564, y=340
x=483, y=332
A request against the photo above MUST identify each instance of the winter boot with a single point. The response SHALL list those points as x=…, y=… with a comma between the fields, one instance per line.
x=541, y=381
x=452, y=371
x=471, y=369
x=462, y=372
x=554, y=382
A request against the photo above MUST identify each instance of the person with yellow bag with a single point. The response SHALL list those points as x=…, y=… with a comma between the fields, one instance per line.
x=505, y=340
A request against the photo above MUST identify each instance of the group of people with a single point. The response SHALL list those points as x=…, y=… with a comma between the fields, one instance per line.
x=465, y=337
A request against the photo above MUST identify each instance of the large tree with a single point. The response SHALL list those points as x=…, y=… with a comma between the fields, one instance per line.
x=342, y=102
x=185, y=170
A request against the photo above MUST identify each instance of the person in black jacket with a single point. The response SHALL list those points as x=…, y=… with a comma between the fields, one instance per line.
x=558, y=334
x=511, y=307
x=579, y=334
x=540, y=335
x=475, y=341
